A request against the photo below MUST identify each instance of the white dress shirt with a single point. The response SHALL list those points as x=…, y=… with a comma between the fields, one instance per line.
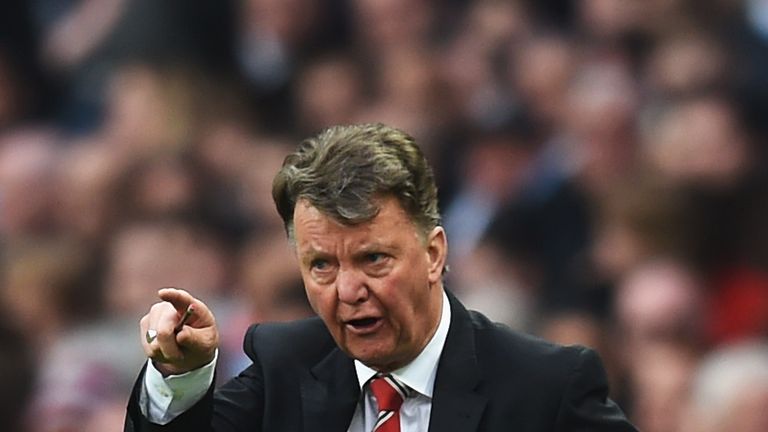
x=164, y=398
x=419, y=375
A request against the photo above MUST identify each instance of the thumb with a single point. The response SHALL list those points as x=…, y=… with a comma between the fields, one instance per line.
x=204, y=339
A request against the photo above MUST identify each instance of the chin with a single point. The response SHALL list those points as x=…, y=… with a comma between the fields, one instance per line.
x=371, y=357
x=382, y=362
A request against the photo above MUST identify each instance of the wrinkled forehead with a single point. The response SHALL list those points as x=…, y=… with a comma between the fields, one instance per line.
x=389, y=217
x=340, y=216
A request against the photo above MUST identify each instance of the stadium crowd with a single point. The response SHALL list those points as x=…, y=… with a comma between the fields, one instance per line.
x=602, y=170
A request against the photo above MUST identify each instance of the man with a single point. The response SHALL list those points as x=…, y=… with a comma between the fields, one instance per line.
x=390, y=350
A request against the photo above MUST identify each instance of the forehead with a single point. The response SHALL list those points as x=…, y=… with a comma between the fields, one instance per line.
x=391, y=223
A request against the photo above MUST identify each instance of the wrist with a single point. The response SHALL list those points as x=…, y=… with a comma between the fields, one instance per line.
x=167, y=369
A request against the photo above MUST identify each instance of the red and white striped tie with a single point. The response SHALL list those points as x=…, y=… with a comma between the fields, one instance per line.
x=389, y=394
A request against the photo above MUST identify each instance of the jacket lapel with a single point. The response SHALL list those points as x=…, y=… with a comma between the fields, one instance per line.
x=456, y=405
x=329, y=394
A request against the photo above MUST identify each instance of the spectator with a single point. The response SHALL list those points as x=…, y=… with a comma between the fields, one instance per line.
x=138, y=140
x=18, y=374
x=729, y=390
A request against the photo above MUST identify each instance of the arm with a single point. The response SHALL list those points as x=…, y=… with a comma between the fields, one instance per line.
x=193, y=419
x=163, y=398
x=182, y=348
x=179, y=355
x=236, y=406
x=585, y=405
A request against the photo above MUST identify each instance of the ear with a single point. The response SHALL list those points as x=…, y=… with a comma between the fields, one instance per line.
x=437, y=253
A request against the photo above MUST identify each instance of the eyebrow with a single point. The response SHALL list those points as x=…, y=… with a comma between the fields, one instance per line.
x=311, y=253
x=378, y=247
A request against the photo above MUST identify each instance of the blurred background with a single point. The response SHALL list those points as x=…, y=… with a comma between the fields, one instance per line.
x=601, y=164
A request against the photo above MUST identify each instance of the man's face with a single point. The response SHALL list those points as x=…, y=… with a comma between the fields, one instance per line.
x=376, y=285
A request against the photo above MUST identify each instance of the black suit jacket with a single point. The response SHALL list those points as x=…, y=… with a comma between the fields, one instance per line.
x=488, y=379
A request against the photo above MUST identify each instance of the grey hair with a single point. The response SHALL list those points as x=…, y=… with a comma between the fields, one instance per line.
x=344, y=170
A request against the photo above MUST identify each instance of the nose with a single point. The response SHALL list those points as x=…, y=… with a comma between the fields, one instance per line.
x=351, y=286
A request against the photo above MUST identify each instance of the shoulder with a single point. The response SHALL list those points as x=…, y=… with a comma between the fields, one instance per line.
x=529, y=359
x=297, y=340
x=506, y=341
x=563, y=386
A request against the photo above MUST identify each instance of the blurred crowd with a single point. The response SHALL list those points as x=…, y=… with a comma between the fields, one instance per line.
x=601, y=164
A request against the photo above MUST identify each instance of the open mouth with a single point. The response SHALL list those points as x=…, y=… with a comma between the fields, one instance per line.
x=364, y=325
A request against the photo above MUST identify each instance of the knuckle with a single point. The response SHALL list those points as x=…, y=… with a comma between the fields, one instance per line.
x=165, y=333
x=157, y=307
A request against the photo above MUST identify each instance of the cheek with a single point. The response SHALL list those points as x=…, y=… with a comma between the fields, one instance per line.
x=321, y=299
x=313, y=296
x=402, y=299
x=408, y=298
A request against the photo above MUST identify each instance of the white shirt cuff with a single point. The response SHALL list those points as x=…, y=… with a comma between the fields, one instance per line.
x=162, y=399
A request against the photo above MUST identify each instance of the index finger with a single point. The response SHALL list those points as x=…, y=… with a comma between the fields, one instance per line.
x=179, y=298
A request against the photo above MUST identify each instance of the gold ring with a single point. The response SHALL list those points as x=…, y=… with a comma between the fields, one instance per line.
x=151, y=335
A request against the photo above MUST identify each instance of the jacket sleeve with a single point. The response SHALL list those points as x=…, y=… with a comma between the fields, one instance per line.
x=199, y=415
x=234, y=407
x=585, y=406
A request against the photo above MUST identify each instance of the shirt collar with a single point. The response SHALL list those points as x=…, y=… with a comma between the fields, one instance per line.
x=420, y=373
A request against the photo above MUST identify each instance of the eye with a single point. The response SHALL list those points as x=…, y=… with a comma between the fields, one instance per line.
x=319, y=264
x=322, y=270
x=377, y=263
x=375, y=257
